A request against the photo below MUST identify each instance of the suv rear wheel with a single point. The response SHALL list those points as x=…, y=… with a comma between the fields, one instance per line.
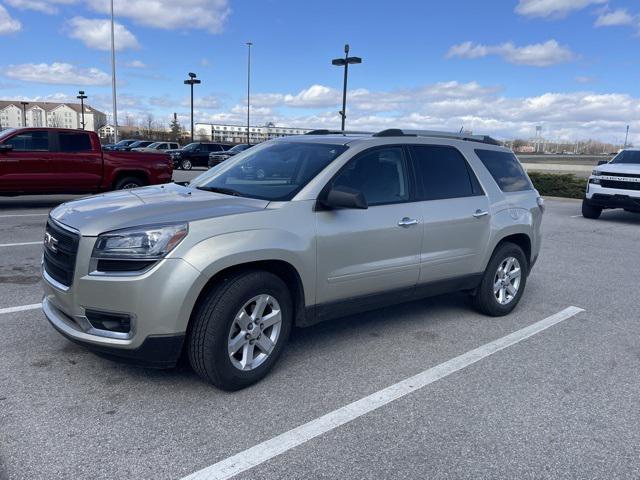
x=589, y=211
x=240, y=329
x=503, y=281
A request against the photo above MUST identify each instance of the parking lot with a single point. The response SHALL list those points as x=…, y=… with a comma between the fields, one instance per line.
x=556, y=402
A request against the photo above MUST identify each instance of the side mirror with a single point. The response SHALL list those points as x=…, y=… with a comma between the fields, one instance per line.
x=344, y=197
x=6, y=147
x=602, y=162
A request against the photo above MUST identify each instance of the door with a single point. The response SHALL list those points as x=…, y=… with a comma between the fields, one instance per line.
x=455, y=212
x=25, y=167
x=76, y=165
x=374, y=251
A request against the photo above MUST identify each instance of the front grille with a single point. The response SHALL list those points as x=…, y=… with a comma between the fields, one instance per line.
x=628, y=175
x=60, y=251
x=620, y=185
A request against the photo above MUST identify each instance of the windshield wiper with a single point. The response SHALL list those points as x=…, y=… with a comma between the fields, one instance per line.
x=222, y=190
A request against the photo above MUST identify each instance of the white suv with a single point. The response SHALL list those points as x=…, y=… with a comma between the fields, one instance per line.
x=614, y=185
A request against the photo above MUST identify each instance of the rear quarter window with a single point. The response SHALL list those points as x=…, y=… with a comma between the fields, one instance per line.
x=506, y=170
x=74, y=142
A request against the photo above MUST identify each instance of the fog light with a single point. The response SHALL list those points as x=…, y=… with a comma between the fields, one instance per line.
x=111, y=322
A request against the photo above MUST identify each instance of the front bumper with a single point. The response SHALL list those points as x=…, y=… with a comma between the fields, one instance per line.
x=156, y=351
x=159, y=303
x=613, y=198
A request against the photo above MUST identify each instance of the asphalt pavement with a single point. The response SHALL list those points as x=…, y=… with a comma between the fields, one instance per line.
x=562, y=403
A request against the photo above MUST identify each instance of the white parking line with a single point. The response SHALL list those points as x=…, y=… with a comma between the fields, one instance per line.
x=20, y=244
x=577, y=216
x=21, y=308
x=25, y=215
x=266, y=450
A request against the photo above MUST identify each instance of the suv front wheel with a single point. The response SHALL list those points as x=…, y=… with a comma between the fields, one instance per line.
x=589, y=211
x=503, y=281
x=240, y=329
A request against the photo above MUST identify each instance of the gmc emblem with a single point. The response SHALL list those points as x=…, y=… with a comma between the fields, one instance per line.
x=50, y=242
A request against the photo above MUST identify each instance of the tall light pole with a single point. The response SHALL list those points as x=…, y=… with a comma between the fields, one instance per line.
x=24, y=113
x=344, y=62
x=81, y=97
x=249, y=44
x=113, y=78
x=626, y=137
x=192, y=81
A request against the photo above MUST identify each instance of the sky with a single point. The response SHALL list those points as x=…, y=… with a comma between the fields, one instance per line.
x=497, y=67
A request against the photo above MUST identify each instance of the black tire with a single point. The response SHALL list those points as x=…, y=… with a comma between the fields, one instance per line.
x=590, y=211
x=485, y=300
x=129, y=182
x=186, y=164
x=212, y=321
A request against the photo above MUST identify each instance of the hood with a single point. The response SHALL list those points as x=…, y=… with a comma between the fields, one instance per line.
x=167, y=203
x=619, y=168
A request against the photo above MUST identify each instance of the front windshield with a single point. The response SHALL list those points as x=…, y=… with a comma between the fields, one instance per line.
x=238, y=148
x=124, y=143
x=627, y=156
x=271, y=171
x=191, y=146
x=6, y=132
x=155, y=145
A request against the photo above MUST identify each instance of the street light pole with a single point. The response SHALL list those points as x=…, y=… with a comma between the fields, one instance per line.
x=626, y=137
x=191, y=82
x=24, y=113
x=81, y=97
x=344, y=62
x=113, y=79
x=248, y=88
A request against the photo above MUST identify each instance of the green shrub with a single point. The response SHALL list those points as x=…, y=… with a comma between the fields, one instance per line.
x=559, y=185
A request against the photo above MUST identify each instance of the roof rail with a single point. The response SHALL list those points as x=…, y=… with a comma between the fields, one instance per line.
x=336, y=132
x=397, y=132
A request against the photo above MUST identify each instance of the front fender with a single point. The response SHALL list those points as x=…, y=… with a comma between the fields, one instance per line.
x=217, y=253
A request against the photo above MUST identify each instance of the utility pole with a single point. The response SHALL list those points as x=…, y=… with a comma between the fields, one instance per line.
x=249, y=44
x=81, y=97
x=191, y=82
x=344, y=62
x=113, y=79
x=24, y=113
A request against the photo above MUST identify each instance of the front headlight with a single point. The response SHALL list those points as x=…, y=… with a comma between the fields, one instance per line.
x=144, y=243
x=595, y=172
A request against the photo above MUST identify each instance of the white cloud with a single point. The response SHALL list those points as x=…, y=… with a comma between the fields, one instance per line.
x=615, y=18
x=44, y=6
x=553, y=8
x=7, y=24
x=537, y=55
x=96, y=33
x=57, y=73
x=209, y=15
x=136, y=64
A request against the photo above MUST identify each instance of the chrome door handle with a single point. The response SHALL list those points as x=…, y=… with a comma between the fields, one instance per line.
x=479, y=213
x=407, y=222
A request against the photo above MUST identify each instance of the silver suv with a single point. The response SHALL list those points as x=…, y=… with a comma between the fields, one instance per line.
x=290, y=232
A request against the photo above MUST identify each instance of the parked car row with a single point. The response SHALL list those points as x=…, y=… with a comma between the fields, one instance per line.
x=196, y=154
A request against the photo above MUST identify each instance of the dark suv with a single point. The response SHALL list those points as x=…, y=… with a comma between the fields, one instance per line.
x=196, y=154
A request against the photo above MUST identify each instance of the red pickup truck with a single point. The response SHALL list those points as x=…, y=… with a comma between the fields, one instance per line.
x=58, y=160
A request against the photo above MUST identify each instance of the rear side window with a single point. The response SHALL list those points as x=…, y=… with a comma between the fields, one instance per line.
x=30, y=141
x=506, y=170
x=443, y=173
x=74, y=142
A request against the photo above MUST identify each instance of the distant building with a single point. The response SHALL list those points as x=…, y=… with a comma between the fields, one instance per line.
x=49, y=114
x=220, y=132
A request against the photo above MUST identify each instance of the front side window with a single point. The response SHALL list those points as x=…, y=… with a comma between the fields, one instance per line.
x=443, y=173
x=273, y=171
x=627, y=156
x=381, y=175
x=30, y=141
x=506, y=170
x=74, y=142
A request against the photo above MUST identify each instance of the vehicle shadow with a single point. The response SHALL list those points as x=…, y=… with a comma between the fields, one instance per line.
x=36, y=201
x=620, y=216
